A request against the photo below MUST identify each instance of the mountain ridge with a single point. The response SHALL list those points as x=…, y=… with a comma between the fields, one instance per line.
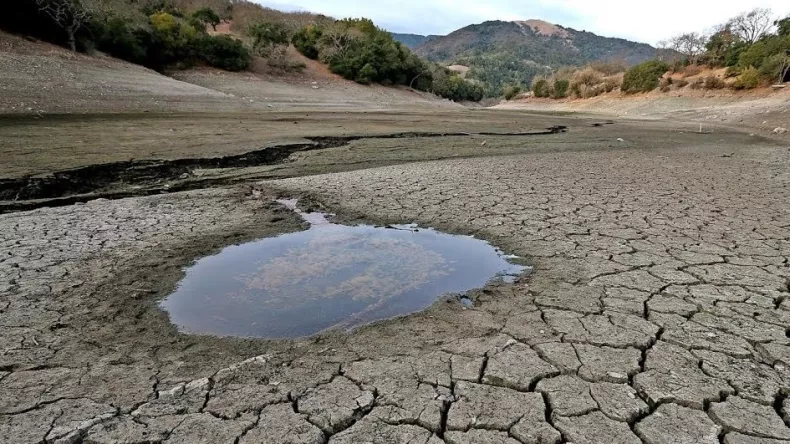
x=413, y=40
x=497, y=32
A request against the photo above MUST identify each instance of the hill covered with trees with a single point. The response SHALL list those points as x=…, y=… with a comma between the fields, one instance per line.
x=176, y=34
x=412, y=41
x=513, y=53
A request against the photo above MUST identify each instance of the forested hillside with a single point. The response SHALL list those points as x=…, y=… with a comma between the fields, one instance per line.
x=412, y=41
x=168, y=35
x=513, y=53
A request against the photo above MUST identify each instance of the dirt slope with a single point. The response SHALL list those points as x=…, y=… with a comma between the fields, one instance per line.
x=314, y=86
x=39, y=78
x=759, y=111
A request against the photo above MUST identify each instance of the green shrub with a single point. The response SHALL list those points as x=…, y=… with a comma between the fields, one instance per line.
x=224, y=52
x=773, y=67
x=306, y=41
x=117, y=39
x=732, y=71
x=763, y=50
x=453, y=87
x=749, y=79
x=541, y=88
x=713, y=82
x=510, y=91
x=347, y=46
x=151, y=7
x=367, y=74
x=171, y=30
x=724, y=48
x=172, y=41
x=783, y=26
x=561, y=88
x=266, y=37
x=644, y=77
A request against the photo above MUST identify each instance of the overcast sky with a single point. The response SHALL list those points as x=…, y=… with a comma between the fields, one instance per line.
x=632, y=19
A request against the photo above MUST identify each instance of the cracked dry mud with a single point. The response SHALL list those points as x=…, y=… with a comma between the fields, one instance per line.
x=657, y=312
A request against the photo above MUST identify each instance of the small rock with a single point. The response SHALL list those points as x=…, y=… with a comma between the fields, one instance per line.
x=780, y=130
x=617, y=375
x=620, y=139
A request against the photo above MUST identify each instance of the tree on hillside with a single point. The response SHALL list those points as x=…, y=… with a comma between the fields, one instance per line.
x=753, y=25
x=306, y=41
x=783, y=26
x=207, y=16
x=691, y=45
x=337, y=38
x=724, y=47
x=267, y=38
x=69, y=15
x=783, y=66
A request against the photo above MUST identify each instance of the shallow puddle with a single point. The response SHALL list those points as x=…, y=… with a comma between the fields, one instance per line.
x=330, y=276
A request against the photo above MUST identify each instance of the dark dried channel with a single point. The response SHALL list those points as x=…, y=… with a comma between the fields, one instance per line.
x=145, y=177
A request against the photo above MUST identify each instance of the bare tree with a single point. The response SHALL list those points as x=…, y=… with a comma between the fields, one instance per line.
x=751, y=26
x=784, y=66
x=337, y=38
x=70, y=15
x=691, y=45
x=663, y=49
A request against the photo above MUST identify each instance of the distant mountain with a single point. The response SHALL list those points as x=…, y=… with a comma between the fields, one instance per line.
x=535, y=40
x=413, y=40
x=500, y=53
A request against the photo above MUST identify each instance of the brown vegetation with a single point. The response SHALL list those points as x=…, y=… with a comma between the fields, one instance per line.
x=247, y=13
x=592, y=80
x=691, y=71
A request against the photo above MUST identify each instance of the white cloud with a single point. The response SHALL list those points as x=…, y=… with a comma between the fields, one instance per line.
x=654, y=21
x=635, y=20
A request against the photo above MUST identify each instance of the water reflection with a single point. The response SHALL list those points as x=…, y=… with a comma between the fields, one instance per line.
x=329, y=276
